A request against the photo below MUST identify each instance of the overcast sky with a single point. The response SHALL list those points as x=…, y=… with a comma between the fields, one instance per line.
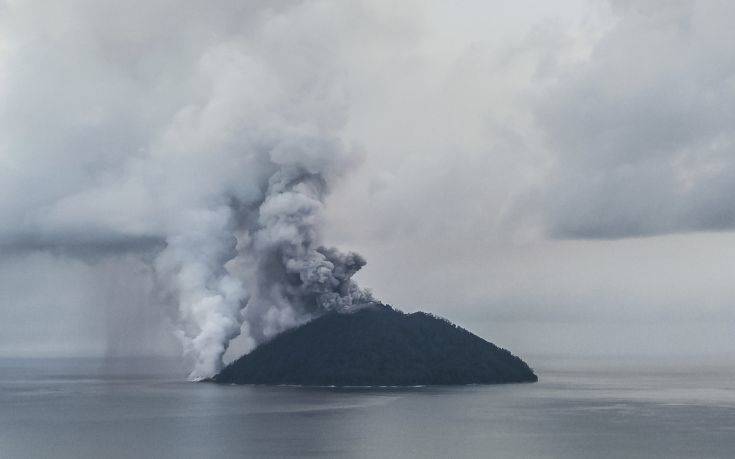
x=557, y=177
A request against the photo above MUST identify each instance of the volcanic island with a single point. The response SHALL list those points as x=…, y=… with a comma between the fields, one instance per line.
x=377, y=345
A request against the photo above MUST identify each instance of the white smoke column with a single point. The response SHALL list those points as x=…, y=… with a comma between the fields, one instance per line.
x=209, y=298
x=253, y=181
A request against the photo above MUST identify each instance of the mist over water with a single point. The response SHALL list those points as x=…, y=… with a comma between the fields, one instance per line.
x=581, y=408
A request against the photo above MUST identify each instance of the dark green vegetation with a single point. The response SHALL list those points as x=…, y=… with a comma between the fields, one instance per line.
x=377, y=346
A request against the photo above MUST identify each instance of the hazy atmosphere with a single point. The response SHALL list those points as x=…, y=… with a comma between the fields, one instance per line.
x=555, y=176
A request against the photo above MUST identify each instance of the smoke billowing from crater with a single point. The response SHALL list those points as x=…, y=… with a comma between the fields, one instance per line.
x=260, y=262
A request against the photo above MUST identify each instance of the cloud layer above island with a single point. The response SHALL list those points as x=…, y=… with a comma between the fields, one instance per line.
x=506, y=163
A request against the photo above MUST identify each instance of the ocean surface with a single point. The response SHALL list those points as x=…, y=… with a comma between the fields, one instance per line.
x=581, y=408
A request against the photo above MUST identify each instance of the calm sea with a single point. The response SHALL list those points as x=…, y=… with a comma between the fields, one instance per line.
x=580, y=408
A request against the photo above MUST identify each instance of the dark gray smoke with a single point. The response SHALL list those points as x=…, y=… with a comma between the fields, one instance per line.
x=294, y=276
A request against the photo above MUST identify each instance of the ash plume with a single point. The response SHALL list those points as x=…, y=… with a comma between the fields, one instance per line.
x=203, y=140
x=294, y=276
x=285, y=275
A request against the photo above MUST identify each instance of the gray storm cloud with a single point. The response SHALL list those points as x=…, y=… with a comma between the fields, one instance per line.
x=642, y=128
x=182, y=131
